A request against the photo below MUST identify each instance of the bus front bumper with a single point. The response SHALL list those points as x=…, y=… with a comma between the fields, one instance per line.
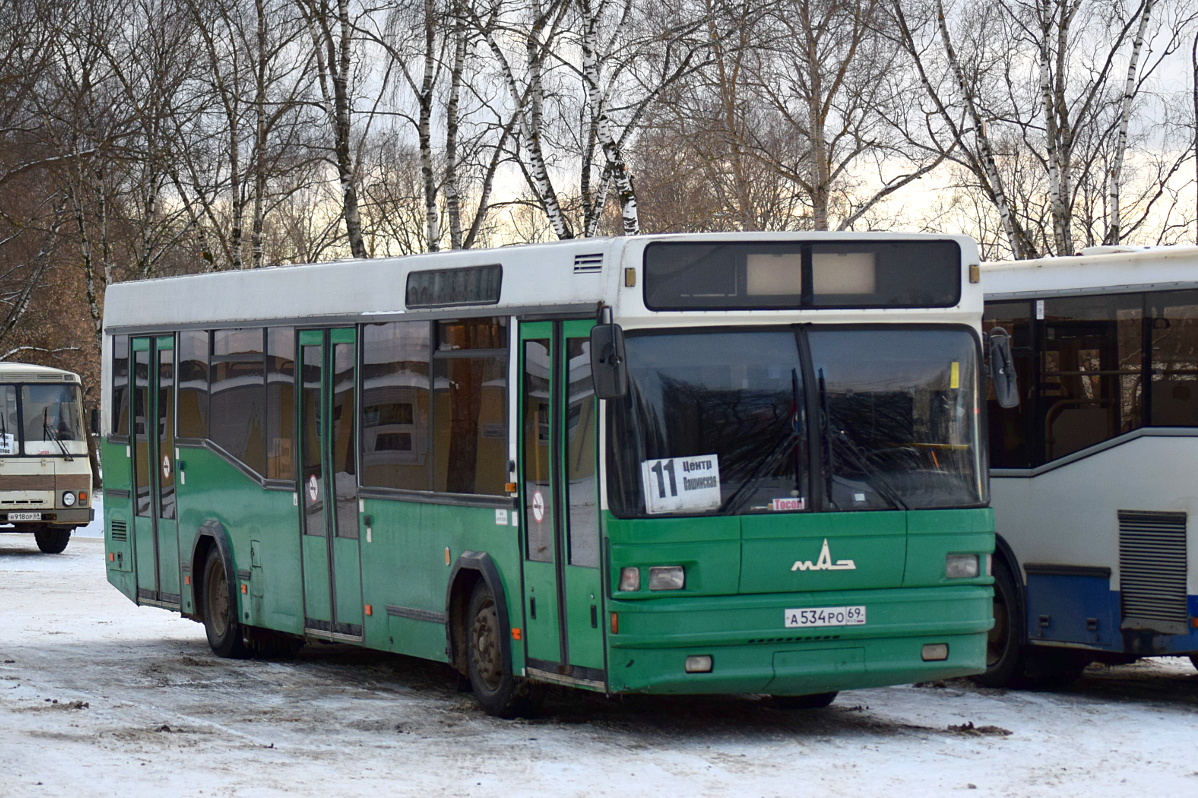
x=655, y=639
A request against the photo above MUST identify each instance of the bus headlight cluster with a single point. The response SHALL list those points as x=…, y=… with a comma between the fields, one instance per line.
x=667, y=577
x=962, y=566
x=68, y=499
x=661, y=577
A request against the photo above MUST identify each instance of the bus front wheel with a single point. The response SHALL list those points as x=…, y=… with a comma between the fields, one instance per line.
x=495, y=686
x=220, y=614
x=51, y=541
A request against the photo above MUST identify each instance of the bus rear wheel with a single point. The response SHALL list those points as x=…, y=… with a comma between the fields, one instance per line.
x=497, y=689
x=51, y=541
x=220, y=615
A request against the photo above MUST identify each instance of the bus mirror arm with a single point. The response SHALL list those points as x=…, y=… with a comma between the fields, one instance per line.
x=1002, y=368
x=608, y=369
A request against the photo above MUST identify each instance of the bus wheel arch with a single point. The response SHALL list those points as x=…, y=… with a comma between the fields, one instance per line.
x=480, y=641
x=1007, y=639
x=213, y=597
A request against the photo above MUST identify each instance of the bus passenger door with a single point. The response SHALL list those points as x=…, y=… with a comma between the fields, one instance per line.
x=155, y=523
x=563, y=609
x=328, y=471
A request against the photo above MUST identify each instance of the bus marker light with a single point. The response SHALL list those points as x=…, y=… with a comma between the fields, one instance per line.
x=369, y=609
x=509, y=487
x=245, y=588
x=630, y=278
x=935, y=652
x=447, y=555
x=83, y=497
x=630, y=579
x=698, y=664
x=111, y=557
x=1194, y=622
x=615, y=623
x=186, y=579
x=517, y=634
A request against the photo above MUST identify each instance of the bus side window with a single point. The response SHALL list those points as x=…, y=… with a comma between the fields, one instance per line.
x=1173, y=326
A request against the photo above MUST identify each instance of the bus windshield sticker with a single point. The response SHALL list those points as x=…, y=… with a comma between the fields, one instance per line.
x=784, y=505
x=7, y=444
x=681, y=484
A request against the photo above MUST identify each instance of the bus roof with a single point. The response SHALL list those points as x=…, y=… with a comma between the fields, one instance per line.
x=28, y=372
x=565, y=274
x=1104, y=271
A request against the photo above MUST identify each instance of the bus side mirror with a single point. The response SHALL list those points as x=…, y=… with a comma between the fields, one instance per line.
x=94, y=420
x=1002, y=368
x=608, y=368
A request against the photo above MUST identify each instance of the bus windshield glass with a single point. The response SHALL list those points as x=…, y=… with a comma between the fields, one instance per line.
x=733, y=423
x=41, y=420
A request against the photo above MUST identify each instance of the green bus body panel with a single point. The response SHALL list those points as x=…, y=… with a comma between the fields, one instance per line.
x=934, y=534
x=213, y=489
x=753, y=652
x=542, y=623
x=785, y=553
x=404, y=570
x=119, y=538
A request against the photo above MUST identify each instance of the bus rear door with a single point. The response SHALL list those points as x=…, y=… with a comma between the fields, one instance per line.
x=327, y=414
x=155, y=521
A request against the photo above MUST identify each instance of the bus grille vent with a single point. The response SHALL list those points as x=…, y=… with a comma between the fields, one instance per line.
x=803, y=639
x=588, y=264
x=1152, y=568
x=120, y=531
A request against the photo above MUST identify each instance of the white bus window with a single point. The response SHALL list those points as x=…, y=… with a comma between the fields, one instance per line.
x=1174, y=330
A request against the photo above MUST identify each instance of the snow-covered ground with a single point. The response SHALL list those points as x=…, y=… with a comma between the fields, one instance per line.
x=99, y=697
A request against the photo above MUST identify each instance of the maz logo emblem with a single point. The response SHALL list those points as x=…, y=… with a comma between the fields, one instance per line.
x=824, y=563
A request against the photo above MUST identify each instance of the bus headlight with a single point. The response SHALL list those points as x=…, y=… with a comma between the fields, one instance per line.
x=667, y=577
x=630, y=579
x=962, y=566
x=68, y=499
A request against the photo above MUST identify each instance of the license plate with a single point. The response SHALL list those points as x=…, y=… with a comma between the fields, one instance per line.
x=825, y=616
x=24, y=516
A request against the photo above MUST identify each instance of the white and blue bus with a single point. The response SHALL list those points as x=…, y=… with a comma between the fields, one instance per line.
x=1093, y=474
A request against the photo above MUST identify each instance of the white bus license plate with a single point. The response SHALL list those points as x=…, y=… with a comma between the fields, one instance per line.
x=24, y=516
x=825, y=616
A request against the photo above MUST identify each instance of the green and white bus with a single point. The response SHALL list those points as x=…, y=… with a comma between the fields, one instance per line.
x=45, y=474
x=727, y=463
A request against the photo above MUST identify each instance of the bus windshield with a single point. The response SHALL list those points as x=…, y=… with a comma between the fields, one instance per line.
x=41, y=420
x=732, y=423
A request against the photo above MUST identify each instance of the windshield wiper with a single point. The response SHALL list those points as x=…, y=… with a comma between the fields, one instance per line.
x=859, y=458
x=48, y=434
x=766, y=465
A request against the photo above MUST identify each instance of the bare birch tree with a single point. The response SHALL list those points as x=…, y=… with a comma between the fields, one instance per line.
x=332, y=33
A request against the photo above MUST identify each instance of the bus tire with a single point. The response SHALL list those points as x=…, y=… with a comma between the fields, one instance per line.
x=1004, y=642
x=498, y=690
x=51, y=541
x=813, y=701
x=220, y=614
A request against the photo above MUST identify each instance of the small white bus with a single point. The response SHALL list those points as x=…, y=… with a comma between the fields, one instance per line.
x=45, y=474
